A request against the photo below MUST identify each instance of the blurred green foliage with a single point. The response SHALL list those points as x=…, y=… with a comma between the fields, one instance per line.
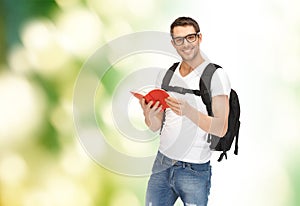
x=16, y=12
x=50, y=153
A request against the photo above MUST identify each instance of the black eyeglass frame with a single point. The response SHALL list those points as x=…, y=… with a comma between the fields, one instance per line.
x=186, y=38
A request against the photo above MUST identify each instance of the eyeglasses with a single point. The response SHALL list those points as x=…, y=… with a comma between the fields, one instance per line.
x=189, y=38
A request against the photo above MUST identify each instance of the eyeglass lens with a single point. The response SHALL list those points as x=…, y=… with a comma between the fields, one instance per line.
x=190, y=38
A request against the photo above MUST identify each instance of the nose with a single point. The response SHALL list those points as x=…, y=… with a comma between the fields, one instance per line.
x=185, y=43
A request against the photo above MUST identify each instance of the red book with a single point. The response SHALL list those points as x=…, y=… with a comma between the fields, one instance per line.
x=154, y=95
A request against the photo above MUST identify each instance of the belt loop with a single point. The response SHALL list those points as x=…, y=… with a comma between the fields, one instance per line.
x=183, y=164
x=173, y=162
x=162, y=159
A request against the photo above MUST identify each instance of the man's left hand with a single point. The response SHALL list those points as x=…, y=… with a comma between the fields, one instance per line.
x=178, y=106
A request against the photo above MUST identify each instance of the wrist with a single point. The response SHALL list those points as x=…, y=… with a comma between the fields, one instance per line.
x=192, y=114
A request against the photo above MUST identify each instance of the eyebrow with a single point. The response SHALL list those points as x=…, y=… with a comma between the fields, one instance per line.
x=183, y=36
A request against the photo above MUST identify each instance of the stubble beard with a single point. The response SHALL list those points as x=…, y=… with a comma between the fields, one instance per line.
x=189, y=54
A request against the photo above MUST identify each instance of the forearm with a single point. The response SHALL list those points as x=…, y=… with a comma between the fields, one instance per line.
x=216, y=125
x=153, y=124
x=213, y=125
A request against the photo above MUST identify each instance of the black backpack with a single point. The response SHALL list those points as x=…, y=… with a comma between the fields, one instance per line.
x=217, y=144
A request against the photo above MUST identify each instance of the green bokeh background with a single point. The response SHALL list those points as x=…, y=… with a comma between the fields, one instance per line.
x=43, y=45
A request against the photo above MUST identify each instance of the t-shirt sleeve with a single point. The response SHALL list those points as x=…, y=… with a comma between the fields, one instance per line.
x=220, y=84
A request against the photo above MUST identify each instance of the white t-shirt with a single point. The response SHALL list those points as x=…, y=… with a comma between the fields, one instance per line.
x=180, y=138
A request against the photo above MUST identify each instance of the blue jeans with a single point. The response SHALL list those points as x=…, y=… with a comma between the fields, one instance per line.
x=171, y=179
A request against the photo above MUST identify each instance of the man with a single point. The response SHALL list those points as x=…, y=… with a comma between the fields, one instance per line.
x=182, y=166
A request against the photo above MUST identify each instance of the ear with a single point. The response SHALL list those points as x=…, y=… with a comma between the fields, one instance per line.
x=200, y=38
x=173, y=44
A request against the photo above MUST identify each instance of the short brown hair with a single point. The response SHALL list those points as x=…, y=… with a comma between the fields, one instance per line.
x=185, y=21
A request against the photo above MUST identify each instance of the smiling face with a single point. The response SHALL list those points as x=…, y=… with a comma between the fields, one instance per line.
x=189, y=51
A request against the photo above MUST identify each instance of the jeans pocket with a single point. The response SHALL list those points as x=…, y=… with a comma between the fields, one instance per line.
x=201, y=170
x=156, y=165
x=160, y=164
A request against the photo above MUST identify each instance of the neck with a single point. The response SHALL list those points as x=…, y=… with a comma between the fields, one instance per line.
x=187, y=66
x=194, y=63
x=191, y=65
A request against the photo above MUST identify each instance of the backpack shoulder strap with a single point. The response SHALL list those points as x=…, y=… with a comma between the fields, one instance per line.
x=168, y=76
x=165, y=85
x=205, y=85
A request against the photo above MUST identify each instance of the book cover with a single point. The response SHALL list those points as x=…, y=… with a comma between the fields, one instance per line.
x=154, y=95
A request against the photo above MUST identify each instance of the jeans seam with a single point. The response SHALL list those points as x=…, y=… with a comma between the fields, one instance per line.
x=208, y=186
